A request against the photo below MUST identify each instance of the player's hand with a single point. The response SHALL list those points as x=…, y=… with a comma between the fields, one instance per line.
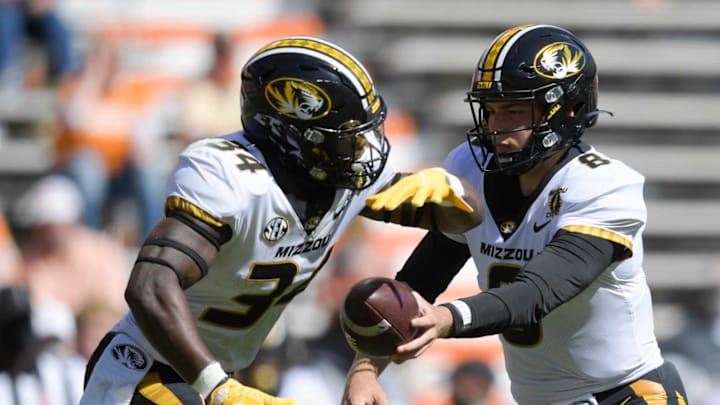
x=362, y=386
x=434, y=185
x=434, y=322
x=231, y=392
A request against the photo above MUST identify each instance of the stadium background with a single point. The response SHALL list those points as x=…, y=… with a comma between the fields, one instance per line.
x=659, y=73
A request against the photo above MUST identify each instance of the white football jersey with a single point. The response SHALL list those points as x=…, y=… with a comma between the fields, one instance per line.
x=604, y=336
x=270, y=257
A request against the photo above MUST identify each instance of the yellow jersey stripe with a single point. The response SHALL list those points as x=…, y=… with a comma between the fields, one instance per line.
x=340, y=56
x=602, y=233
x=152, y=388
x=177, y=203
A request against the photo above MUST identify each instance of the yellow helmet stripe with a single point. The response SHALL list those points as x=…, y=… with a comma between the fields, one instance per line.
x=490, y=57
x=494, y=57
x=337, y=54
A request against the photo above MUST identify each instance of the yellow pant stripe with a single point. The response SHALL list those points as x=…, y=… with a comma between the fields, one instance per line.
x=680, y=398
x=153, y=389
x=653, y=393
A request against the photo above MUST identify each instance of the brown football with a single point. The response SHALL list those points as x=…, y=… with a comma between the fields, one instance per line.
x=376, y=316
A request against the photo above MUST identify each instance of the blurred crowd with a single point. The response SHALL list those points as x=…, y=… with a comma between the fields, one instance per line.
x=68, y=240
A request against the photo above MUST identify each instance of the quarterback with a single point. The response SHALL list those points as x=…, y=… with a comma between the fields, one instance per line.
x=559, y=253
x=250, y=218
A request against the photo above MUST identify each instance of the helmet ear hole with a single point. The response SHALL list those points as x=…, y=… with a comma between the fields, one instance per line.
x=578, y=109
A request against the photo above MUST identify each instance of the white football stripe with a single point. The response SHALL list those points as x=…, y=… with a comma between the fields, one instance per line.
x=372, y=330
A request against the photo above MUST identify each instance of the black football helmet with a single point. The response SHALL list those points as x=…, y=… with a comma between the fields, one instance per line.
x=544, y=65
x=317, y=104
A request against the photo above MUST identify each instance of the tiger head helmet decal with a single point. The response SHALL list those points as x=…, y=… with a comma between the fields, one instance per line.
x=297, y=98
x=559, y=60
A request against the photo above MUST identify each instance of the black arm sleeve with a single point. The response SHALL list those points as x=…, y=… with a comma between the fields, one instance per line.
x=433, y=264
x=567, y=265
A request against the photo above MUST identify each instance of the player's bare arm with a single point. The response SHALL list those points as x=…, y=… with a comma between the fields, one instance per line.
x=434, y=252
x=432, y=199
x=171, y=260
x=362, y=386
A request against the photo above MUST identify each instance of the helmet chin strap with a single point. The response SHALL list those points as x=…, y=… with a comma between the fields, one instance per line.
x=514, y=164
x=523, y=166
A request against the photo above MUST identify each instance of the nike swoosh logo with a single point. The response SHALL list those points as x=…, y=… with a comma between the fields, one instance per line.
x=538, y=228
x=342, y=208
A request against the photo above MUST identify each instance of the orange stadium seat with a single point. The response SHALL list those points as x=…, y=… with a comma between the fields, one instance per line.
x=301, y=24
x=152, y=34
x=10, y=261
x=158, y=32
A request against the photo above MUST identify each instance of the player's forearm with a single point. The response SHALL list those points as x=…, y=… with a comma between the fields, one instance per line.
x=162, y=312
x=568, y=265
x=450, y=219
x=366, y=364
x=431, y=217
x=410, y=204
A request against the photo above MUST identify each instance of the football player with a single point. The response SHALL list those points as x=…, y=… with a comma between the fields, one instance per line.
x=559, y=253
x=251, y=217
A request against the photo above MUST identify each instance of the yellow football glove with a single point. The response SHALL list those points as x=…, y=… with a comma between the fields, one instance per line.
x=231, y=392
x=433, y=185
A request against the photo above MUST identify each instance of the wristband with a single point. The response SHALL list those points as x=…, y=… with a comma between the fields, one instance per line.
x=462, y=315
x=479, y=315
x=209, y=378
